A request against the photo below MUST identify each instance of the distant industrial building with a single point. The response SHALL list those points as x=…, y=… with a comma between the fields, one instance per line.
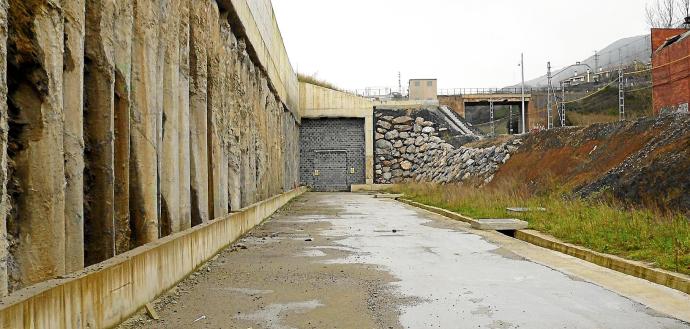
x=423, y=89
x=671, y=70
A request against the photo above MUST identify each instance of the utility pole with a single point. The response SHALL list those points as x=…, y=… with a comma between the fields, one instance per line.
x=562, y=111
x=491, y=111
x=548, y=96
x=510, y=121
x=522, y=66
x=621, y=88
x=399, y=83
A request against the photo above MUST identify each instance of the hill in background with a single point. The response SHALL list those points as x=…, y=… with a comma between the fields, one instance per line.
x=633, y=49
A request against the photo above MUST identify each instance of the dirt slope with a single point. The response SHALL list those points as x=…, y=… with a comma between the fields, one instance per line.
x=646, y=161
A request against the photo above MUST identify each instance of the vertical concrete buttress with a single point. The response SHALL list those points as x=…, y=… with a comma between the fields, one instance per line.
x=125, y=120
x=36, y=149
x=185, y=206
x=251, y=179
x=198, y=110
x=217, y=164
x=247, y=137
x=170, y=169
x=99, y=119
x=144, y=123
x=73, y=83
x=123, y=26
x=4, y=128
x=234, y=116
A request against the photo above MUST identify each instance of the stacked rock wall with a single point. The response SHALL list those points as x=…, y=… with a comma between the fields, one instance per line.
x=125, y=121
x=408, y=148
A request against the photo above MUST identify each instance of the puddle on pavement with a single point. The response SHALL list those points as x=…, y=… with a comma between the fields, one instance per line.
x=270, y=317
x=247, y=291
x=312, y=253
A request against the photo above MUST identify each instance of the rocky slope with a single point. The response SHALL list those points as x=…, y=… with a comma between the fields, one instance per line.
x=645, y=162
x=410, y=149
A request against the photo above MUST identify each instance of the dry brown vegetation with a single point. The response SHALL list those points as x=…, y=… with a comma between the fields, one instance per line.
x=311, y=79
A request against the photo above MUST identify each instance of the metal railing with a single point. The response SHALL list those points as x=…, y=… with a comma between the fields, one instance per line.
x=373, y=92
x=483, y=91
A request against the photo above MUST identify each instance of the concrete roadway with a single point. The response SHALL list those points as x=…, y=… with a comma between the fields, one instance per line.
x=353, y=261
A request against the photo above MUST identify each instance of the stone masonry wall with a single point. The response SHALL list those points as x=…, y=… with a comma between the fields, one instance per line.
x=410, y=149
x=125, y=121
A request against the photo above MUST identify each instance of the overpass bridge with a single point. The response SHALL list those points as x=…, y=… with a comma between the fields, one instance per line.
x=459, y=99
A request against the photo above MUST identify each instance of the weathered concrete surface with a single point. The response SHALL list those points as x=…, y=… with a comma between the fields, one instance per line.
x=261, y=29
x=348, y=260
x=125, y=121
x=170, y=219
x=35, y=98
x=185, y=201
x=123, y=25
x=198, y=110
x=145, y=121
x=73, y=100
x=4, y=198
x=99, y=122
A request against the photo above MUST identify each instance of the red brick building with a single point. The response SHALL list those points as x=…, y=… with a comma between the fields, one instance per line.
x=671, y=70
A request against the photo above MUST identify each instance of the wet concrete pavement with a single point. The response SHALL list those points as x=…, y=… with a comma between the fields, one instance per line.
x=353, y=261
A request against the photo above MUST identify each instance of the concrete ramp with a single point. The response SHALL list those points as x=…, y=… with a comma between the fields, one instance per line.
x=453, y=120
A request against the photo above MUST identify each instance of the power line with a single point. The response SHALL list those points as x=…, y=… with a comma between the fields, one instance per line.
x=592, y=94
x=658, y=67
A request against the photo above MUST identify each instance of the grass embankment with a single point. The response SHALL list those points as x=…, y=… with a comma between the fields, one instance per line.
x=661, y=239
x=603, y=107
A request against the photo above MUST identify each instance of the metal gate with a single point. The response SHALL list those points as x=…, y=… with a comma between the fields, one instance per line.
x=330, y=171
x=332, y=153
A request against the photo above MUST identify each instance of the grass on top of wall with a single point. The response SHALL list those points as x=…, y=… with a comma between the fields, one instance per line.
x=659, y=238
x=311, y=79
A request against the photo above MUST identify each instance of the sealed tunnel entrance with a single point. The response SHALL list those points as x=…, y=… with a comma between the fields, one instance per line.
x=332, y=154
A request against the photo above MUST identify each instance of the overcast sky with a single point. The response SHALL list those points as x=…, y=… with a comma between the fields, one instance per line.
x=463, y=43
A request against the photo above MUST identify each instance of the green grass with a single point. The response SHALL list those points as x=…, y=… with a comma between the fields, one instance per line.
x=659, y=238
x=638, y=103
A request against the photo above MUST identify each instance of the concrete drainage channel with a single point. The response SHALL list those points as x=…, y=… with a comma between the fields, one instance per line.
x=518, y=229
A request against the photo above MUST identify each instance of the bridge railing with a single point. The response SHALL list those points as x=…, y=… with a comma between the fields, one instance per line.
x=373, y=92
x=481, y=91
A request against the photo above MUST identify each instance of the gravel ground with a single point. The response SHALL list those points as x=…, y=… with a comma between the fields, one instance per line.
x=273, y=276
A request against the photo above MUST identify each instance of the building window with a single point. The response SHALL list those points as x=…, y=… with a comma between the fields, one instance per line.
x=416, y=83
x=429, y=83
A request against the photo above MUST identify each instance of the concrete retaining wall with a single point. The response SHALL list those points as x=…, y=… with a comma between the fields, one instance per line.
x=106, y=294
x=126, y=121
x=318, y=102
x=261, y=29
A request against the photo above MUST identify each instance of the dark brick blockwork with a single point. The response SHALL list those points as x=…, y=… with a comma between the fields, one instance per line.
x=332, y=147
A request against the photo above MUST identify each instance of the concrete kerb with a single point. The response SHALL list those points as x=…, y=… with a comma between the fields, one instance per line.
x=105, y=294
x=669, y=279
x=355, y=188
